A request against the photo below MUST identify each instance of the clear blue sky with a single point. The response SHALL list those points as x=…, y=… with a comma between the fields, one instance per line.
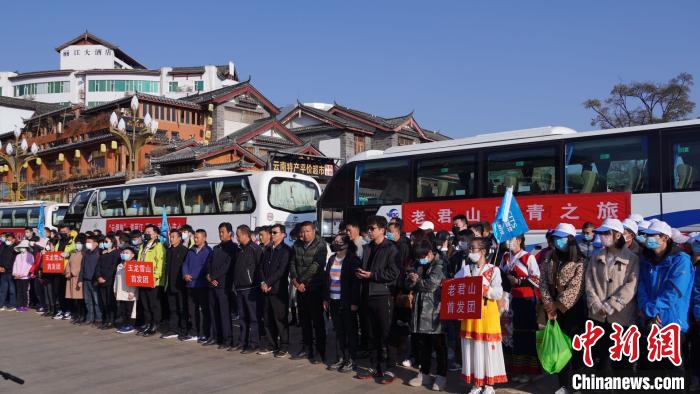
x=465, y=67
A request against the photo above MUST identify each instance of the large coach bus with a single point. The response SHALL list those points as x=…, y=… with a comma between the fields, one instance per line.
x=557, y=175
x=16, y=216
x=201, y=199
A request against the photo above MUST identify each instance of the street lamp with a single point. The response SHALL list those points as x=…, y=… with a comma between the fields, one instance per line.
x=18, y=158
x=142, y=131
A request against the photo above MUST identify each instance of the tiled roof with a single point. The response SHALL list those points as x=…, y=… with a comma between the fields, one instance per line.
x=313, y=129
x=390, y=123
x=236, y=165
x=38, y=74
x=247, y=129
x=435, y=135
x=212, y=94
x=148, y=97
x=38, y=107
x=87, y=36
x=344, y=122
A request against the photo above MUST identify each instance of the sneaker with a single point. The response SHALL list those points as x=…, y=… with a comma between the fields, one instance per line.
x=169, y=335
x=562, y=390
x=281, y=354
x=336, y=366
x=66, y=316
x=11, y=309
x=126, y=330
x=264, y=352
x=348, y=367
x=190, y=338
x=367, y=373
x=387, y=378
x=454, y=367
x=475, y=390
x=3, y=309
x=249, y=350
x=39, y=311
x=406, y=363
x=440, y=383
x=488, y=390
x=419, y=380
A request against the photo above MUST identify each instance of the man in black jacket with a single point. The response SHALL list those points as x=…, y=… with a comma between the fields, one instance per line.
x=246, y=284
x=380, y=268
x=175, y=290
x=306, y=271
x=8, y=295
x=273, y=272
x=218, y=267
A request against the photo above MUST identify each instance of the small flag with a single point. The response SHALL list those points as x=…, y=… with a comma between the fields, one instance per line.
x=510, y=221
x=164, y=228
x=40, y=226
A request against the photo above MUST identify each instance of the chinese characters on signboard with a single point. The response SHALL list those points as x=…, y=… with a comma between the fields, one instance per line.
x=300, y=165
x=461, y=298
x=140, y=224
x=52, y=263
x=540, y=212
x=139, y=273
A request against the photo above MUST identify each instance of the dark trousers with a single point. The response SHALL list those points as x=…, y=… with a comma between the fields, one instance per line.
x=247, y=301
x=572, y=323
x=310, y=304
x=345, y=326
x=8, y=294
x=220, y=315
x=38, y=292
x=149, y=298
x=56, y=293
x=275, y=319
x=198, y=310
x=427, y=343
x=379, y=311
x=22, y=292
x=124, y=309
x=108, y=303
x=524, y=352
x=177, y=307
x=601, y=352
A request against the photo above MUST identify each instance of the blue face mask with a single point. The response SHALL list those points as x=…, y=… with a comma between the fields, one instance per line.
x=588, y=237
x=424, y=261
x=652, y=243
x=562, y=244
x=641, y=239
x=125, y=256
x=390, y=236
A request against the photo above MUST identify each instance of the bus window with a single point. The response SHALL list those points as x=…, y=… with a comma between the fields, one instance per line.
x=6, y=217
x=686, y=163
x=233, y=195
x=166, y=195
x=338, y=196
x=607, y=165
x=58, y=215
x=137, y=201
x=385, y=182
x=531, y=171
x=446, y=177
x=77, y=206
x=34, y=217
x=197, y=196
x=20, y=217
x=292, y=195
x=111, y=202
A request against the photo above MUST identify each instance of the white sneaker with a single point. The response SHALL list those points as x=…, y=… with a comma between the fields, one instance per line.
x=475, y=390
x=406, y=363
x=58, y=316
x=562, y=390
x=440, y=383
x=488, y=390
x=419, y=380
x=3, y=309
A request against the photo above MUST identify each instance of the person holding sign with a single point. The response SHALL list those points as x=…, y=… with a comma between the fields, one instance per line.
x=425, y=281
x=125, y=295
x=482, y=351
x=152, y=251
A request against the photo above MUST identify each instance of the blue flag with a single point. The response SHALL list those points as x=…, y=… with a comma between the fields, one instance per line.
x=42, y=220
x=164, y=228
x=509, y=219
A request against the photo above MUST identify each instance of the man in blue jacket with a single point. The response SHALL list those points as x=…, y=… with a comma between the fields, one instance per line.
x=195, y=275
x=665, y=284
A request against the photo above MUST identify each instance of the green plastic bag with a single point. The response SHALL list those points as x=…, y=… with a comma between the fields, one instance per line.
x=553, y=347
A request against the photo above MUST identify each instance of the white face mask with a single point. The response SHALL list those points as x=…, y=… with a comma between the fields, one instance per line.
x=78, y=247
x=443, y=249
x=185, y=236
x=90, y=246
x=474, y=257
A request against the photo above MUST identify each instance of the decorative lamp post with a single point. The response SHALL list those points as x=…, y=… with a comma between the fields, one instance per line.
x=17, y=159
x=141, y=132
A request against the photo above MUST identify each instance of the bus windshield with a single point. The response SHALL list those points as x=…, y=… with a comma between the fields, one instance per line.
x=77, y=206
x=292, y=195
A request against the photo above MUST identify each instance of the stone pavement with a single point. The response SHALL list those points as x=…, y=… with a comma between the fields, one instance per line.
x=56, y=357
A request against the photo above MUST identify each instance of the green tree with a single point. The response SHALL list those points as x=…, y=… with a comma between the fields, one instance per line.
x=639, y=103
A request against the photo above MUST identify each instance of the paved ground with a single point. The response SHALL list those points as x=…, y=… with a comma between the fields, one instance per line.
x=57, y=357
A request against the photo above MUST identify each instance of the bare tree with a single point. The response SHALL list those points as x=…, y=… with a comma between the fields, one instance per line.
x=639, y=103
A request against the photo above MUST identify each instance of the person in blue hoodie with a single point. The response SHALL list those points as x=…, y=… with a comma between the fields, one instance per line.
x=194, y=273
x=665, y=285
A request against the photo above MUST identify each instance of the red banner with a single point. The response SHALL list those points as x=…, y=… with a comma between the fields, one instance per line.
x=461, y=298
x=141, y=223
x=139, y=273
x=540, y=212
x=52, y=263
x=17, y=231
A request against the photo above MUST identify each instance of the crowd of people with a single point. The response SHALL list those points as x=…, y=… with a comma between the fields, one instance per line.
x=378, y=286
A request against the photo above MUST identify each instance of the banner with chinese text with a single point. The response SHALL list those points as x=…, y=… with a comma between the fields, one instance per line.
x=540, y=212
x=140, y=223
x=461, y=298
x=139, y=273
x=52, y=263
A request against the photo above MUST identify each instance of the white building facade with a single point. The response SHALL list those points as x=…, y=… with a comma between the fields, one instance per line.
x=94, y=71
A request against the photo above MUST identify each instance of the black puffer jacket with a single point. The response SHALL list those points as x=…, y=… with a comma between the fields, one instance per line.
x=308, y=263
x=383, y=262
x=245, y=268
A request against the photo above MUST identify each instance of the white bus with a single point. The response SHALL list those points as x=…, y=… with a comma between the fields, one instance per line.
x=558, y=175
x=16, y=216
x=201, y=199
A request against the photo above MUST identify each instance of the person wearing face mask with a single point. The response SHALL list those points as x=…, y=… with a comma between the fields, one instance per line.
x=187, y=235
x=426, y=283
x=74, y=292
x=523, y=275
x=443, y=246
x=125, y=295
x=400, y=330
x=152, y=250
x=611, y=289
x=56, y=283
x=665, y=286
x=459, y=223
x=20, y=271
x=630, y=235
x=88, y=282
x=585, y=240
x=561, y=288
x=8, y=294
x=106, y=268
x=482, y=350
x=342, y=299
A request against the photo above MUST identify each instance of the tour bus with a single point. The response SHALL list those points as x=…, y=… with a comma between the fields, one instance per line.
x=557, y=175
x=202, y=199
x=16, y=216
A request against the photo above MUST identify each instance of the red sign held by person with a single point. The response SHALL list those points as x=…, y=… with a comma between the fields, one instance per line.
x=540, y=212
x=52, y=263
x=461, y=298
x=139, y=273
